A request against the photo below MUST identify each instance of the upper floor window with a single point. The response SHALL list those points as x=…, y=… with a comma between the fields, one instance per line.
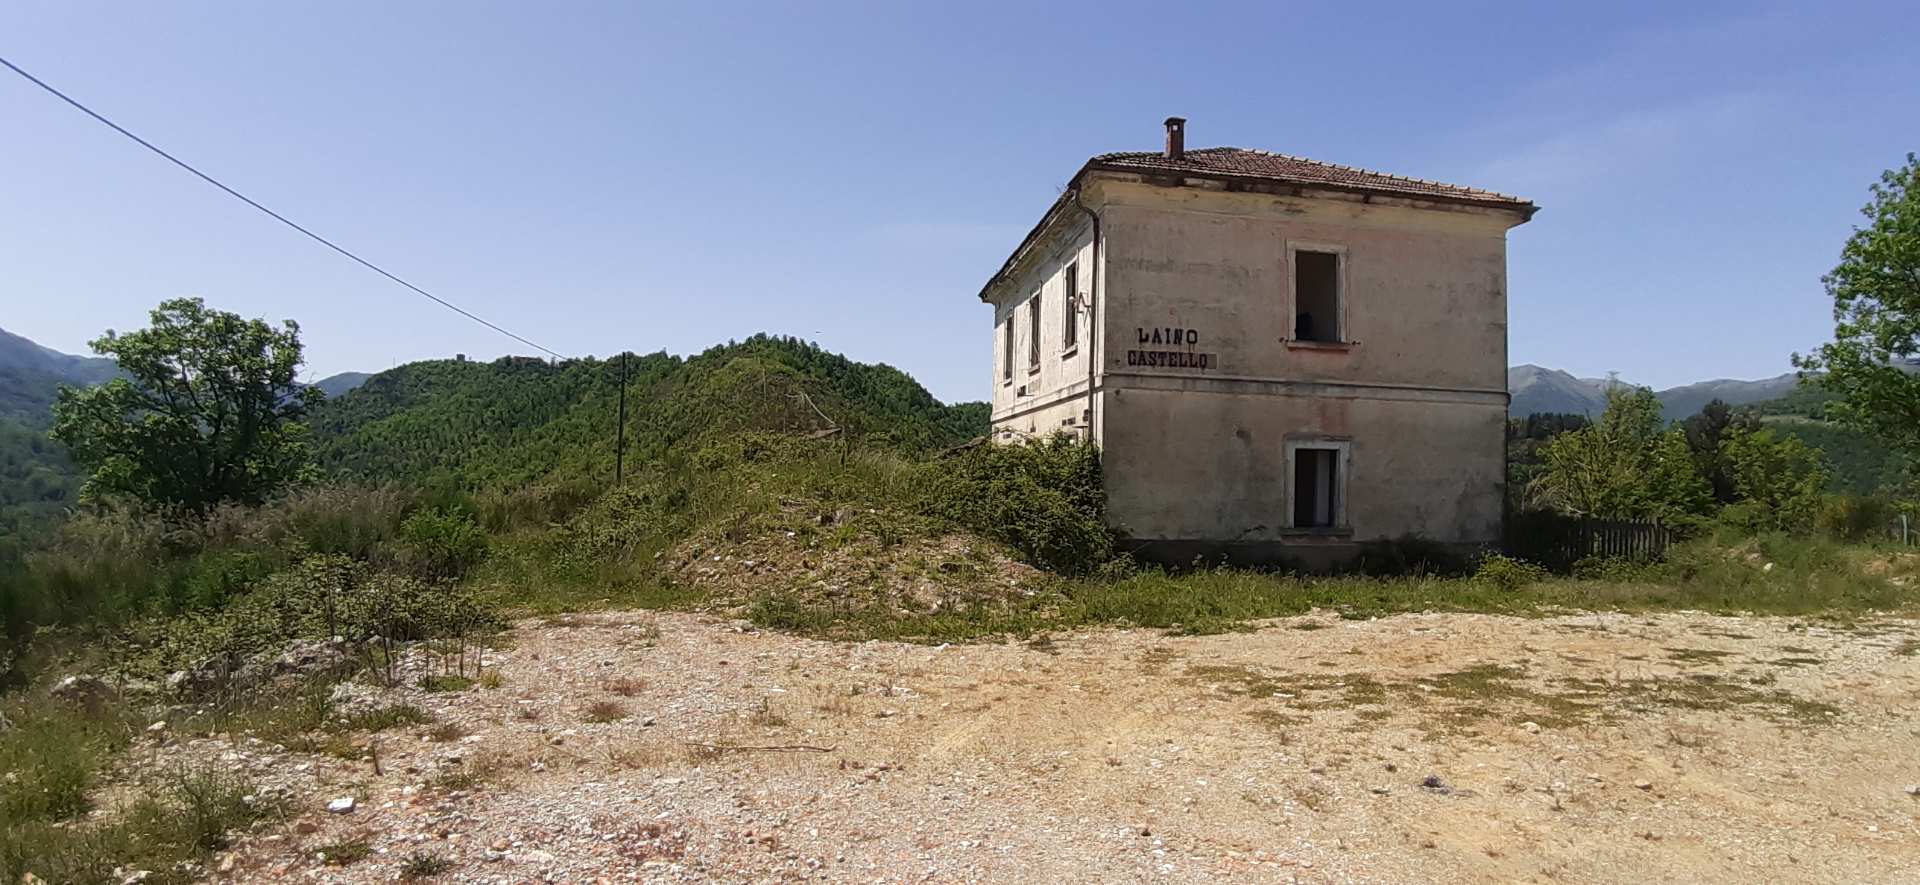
x=1033, y=333
x=1006, y=348
x=1317, y=297
x=1070, y=326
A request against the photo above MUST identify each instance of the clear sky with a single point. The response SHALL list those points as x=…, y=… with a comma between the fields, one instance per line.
x=600, y=177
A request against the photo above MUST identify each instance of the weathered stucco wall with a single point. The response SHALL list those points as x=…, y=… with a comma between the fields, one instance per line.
x=1425, y=289
x=1053, y=397
x=1201, y=461
x=1201, y=388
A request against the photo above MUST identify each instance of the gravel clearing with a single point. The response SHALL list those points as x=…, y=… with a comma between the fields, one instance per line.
x=626, y=747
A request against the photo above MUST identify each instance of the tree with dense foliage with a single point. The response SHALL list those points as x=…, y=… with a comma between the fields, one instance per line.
x=1624, y=466
x=207, y=411
x=1779, y=479
x=1876, y=310
x=1705, y=432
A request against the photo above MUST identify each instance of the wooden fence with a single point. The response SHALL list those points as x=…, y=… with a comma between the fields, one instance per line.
x=1558, y=542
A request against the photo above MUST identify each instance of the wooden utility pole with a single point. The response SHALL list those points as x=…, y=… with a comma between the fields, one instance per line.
x=620, y=447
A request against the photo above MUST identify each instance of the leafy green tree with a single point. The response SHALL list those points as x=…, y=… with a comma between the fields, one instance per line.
x=1780, y=479
x=1876, y=311
x=1705, y=432
x=1624, y=466
x=207, y=411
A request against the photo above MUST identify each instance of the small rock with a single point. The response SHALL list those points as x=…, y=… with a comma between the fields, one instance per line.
x=1643, y=785
x=1434, y=783
x=88, y=691
x=342, y=805
x=1530, y=727
x=306, y=828
x=1380, y=791
x=136, y=877
x=1913, y=789
x=646, y=722
x=157, y=727
x=227, y=863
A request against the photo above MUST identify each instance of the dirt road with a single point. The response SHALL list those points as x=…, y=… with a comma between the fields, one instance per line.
x=1416, y=748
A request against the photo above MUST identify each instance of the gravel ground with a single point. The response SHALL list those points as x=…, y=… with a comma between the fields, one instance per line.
x=1415, y=748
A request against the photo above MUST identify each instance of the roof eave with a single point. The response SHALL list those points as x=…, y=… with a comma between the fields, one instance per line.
x=1060, y=204
x=1524, y=208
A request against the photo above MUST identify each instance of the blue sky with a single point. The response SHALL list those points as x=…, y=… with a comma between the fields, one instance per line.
x=614, y=176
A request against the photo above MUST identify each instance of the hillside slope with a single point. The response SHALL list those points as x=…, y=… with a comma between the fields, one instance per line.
x=1538, y=390
x=520, y=420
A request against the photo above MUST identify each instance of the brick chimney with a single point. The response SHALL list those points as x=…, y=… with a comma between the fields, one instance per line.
x=1176, y=138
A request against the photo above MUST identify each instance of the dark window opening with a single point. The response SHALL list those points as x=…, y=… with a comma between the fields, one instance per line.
x=1006, y=350
x=1070, y=331
x=1316, y=475
x=1316, y=295
x=1033, y=333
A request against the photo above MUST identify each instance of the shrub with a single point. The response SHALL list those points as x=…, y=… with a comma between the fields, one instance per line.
x=533, y=506
x=1507, y=574
x=440, y=544
x=319, y=596
x=1045, y=499
x=1854, y=518
x=348, y=520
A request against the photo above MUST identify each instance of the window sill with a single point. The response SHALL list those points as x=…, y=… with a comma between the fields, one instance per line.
x=1297, y=344
x=1070, y=352
x=1334, y=531
x=1033, y=370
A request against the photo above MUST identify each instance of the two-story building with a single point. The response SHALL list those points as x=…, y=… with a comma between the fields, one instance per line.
x=1280, y=358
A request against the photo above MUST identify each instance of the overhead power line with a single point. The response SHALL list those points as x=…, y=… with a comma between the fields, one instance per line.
x=275, y=215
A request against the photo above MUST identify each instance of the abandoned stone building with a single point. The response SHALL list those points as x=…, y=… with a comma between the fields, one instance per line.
x=1280, y=358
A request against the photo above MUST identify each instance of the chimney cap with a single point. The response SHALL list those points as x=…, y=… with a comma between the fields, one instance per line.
x=1176, y=121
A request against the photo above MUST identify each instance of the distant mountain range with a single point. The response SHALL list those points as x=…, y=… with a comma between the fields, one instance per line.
x=335, y=385
x=29, y=374
x=1537, y=389
x=21, y=355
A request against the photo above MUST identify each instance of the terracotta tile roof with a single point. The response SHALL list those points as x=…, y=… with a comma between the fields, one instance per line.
x=1232, y=162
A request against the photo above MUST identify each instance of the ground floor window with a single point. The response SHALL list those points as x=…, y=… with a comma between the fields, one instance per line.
x=1316, y=491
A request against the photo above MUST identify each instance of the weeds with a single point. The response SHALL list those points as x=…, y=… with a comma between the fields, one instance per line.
x=344, y=852
x=187, y=816
x=601, y=712
x=423, y=865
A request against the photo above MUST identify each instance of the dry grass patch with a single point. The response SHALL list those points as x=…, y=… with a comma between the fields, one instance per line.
x=603, y=711
x=344, y=852
x=766, y=717
x=627, y=686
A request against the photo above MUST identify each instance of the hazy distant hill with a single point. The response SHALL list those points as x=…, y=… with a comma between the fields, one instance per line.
x=21, y=355
x=1537, y=389
x=335, y=385
x=37, y=479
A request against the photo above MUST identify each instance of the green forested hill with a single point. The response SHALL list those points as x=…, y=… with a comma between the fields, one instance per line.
x=520, y=420
x=1861, y=464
